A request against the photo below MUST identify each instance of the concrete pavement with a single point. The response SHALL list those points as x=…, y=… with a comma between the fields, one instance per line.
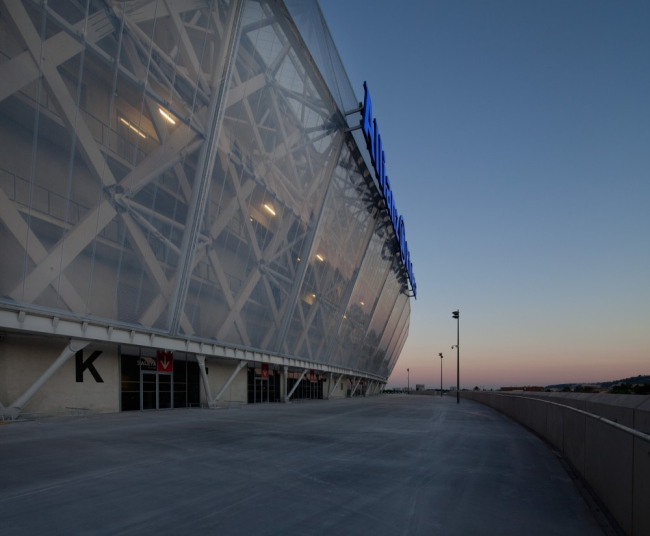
x=387, y=465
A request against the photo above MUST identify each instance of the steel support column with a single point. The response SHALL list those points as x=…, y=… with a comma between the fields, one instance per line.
x=284, y=383
x=220, y=84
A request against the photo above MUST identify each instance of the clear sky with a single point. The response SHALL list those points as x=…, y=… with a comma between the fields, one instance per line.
x=517, y=138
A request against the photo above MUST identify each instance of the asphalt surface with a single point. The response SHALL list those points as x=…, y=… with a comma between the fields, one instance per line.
x=386, y=465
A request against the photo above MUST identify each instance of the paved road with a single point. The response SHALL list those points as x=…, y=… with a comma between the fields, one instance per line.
x=388, y=465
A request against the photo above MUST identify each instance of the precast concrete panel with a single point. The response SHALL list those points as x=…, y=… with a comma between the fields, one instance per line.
x=555, y=426
x=574, y=438
x=88, y=380
x=609, y=468
x=218, y=374
x=617, y=408
x=642, y=417
x=641, y=488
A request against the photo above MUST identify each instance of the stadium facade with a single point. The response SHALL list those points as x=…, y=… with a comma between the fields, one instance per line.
x=194, y=210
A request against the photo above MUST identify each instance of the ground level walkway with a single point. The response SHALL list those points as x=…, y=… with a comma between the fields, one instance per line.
x=386, y=465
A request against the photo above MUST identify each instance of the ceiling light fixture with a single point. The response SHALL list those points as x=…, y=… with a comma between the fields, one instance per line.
x=167, y=116
x=134, y=129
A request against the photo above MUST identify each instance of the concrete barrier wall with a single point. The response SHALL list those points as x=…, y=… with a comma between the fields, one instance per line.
x=615, y=463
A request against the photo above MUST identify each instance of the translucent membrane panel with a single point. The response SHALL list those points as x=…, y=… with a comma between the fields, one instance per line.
x=375, y=361
x=381, y=315
x=313, y=29
x=388, y=369
x=391, y=355
x=345, y=228
x=113, y=207
x=104, y=164
x=363, y=301
x=275, y=157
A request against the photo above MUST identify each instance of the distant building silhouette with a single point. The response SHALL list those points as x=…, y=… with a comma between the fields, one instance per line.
x=527, y=388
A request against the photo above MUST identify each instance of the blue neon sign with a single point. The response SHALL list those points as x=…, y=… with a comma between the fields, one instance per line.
x=378, y=157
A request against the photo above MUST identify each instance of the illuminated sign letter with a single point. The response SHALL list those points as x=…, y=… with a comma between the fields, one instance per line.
x=366, y=120
x=378, y=159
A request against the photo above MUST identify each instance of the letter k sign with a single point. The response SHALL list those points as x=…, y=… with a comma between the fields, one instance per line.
x=82, y=365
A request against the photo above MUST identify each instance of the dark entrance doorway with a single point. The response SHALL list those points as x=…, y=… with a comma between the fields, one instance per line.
x=155, y=390
x=263, y=385
x=151, y=379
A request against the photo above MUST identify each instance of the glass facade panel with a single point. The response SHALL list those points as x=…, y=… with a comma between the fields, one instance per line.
x=186, y=170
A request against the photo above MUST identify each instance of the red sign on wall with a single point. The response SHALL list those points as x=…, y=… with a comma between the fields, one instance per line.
x=265, y=370
x=165, y=361
x=312, y=375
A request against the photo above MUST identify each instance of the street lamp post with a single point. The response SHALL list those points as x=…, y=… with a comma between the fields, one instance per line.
x=456, y=315
x=440, y=354
x=408, y=382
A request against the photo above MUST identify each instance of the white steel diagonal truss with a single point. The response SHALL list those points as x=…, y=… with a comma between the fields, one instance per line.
x=212, y=193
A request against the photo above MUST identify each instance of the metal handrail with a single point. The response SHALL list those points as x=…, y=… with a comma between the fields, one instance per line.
x=631, y=431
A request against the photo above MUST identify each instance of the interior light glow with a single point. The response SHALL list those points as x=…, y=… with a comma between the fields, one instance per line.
x=313, y=295
x=298, y=259
x=134, y=129
x=269, y=209
x=167, y=116
x=320, y=258
x=362, y=303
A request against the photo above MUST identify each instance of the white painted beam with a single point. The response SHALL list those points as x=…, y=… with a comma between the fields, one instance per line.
x=296, y=385
x=17, y=406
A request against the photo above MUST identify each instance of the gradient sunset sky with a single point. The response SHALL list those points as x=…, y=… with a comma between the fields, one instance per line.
x=517, y=140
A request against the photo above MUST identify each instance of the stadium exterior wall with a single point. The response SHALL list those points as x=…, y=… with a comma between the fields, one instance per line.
x=187, y=215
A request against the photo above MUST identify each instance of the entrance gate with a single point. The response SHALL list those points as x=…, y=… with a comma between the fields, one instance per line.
x=261, y=393
x=156, y=390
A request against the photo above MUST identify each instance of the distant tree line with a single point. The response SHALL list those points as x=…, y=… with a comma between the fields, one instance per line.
x=637, y=385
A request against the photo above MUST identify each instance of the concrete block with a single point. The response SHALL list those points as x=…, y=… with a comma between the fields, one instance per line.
x=642, y=416
x=507, y=406
x=641, y=489
x=574, y=400
x=574, y=438
x=555, y=426
x=500, y=403
x=617, y=408
x=524, y=410
x=537, y=416
x=609, y=469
